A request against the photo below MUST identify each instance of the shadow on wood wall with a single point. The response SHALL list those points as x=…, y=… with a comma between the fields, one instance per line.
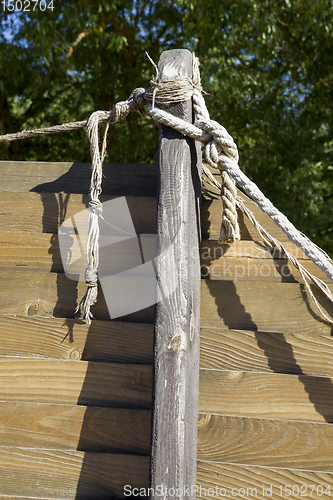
x=235, y=316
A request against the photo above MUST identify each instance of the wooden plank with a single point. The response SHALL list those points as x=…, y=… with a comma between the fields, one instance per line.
x=267, y=395
x=245, y=481
x=174, y=435
x=270, y=270
x=261, y=306
x=265, y=442
x=119, y=179
x=44, y=212
x=40, y=252
x=243, y=261
x=15, y=497
x=64, y=338
x=70, y=382
x=54, y=294
x=221, y=348
x=69, y=474
x=212, y=250
x=56, y=426
x=307, y=354
x=30, y=252
x=237, y=305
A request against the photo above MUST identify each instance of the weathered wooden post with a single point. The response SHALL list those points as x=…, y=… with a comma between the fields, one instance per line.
x=175, y=415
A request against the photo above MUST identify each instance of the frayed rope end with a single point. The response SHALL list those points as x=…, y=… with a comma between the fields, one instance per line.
x=89, y=299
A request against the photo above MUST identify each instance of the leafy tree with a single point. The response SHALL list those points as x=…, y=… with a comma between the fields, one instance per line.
x=266, y=64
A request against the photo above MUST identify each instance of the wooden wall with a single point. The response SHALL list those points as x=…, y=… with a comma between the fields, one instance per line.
x=75, y=400
x=266, y=386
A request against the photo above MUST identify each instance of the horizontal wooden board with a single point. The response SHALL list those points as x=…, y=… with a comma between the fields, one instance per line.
x=44, y=212
x=270, y=270
x=48, y=426
x=69, y=474
x=245, y=260
x=245, y=481
x=252, y=249
x=307, y=353
x=55, y=295
x=261, y=306
x=62, y=338
x=265, y=442
x=238, y=305
x=70, y=382
x=15, y=497
x=39, y=252
x=121, y=342
x=125, y=179
x=30, y=252
x=119, y=179
x=266, y=395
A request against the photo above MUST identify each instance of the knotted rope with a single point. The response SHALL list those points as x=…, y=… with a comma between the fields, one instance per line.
x=218, y=155
x=221, y=153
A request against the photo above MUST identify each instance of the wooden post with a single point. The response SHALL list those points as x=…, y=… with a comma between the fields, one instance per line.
x=177, y=322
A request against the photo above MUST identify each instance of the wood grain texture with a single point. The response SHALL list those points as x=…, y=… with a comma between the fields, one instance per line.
x=310, y=354
x=269, y=270
x=252, y=249
x=261, y=306
x=33, y=293
x=265, y=442
x=61, y=338
x=69, y=474
x=266, y=395
x=246, y=260
x=30, y=252
x=229, y=478
x=56, y=426
x=70, y=382
x=177, y=321
x=221, y=348
x=119, y=179
x=39, y=252
x=44, y=212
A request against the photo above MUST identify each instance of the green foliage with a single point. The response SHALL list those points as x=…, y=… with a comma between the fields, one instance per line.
x=266, y=64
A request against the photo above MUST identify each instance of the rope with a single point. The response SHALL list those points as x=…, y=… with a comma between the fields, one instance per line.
x=276, y=248
x=221, y=152
x=218, y=149
x=166, y=92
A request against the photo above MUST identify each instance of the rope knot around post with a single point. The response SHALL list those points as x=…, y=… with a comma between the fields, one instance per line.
x=221, y=153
